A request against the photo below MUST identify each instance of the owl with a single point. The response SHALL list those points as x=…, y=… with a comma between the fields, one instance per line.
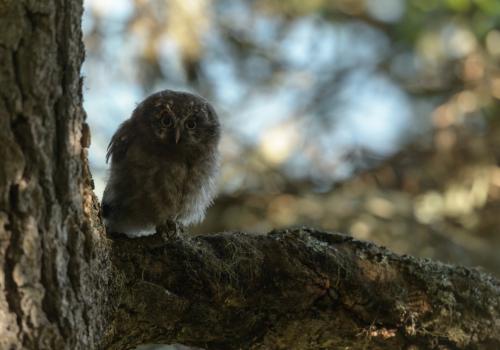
x=164, y=162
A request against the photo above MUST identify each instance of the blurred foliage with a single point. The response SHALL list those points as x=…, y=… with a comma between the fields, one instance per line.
x=433, y=190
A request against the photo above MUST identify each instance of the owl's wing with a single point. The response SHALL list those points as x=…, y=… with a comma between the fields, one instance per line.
x=120, y=142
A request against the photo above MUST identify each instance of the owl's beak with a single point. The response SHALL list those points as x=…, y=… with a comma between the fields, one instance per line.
x=177, y=135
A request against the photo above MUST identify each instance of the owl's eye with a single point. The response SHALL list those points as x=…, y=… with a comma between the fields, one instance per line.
x=166, y=121
x=190, y=124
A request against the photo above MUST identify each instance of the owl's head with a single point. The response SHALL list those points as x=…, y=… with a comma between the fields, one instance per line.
x=179, y=120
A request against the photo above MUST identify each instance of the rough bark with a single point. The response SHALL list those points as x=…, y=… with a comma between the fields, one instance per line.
x=48, y=248
x=65, y=286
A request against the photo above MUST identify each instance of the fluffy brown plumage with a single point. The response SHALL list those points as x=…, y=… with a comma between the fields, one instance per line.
x=164, y=161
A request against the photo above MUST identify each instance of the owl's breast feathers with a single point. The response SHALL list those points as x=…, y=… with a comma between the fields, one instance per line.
x=199, y=189
x=161, y=186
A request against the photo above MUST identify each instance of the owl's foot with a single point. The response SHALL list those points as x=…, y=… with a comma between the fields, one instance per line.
x=170, y=230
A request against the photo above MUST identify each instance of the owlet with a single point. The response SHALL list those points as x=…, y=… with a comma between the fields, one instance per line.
x=164, y=161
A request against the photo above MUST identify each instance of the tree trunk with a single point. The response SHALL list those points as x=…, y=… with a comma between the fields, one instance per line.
x=66, y=286
x=49, y=248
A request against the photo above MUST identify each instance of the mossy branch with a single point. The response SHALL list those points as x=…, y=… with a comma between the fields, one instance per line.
x=295, y=289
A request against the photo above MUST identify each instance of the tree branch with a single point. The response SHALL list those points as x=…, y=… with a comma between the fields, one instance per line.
x=295, y=289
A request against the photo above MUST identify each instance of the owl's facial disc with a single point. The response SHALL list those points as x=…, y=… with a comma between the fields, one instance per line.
x=180, y=121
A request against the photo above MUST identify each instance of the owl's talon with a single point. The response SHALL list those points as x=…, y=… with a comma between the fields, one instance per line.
x=170, y=230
